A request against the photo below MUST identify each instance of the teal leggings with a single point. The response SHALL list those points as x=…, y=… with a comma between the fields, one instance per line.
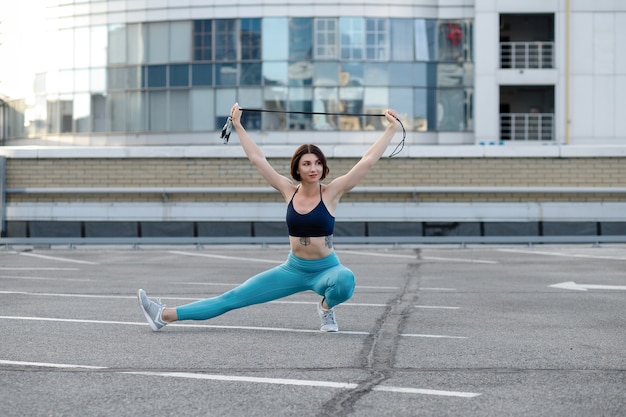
x=326, y=276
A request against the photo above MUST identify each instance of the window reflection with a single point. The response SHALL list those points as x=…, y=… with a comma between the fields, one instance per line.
x=452, y=40
x=402, y=48
x=376, y=74
x=275, y=39
x=351, y=102
x=82, y=113
x=274, y=98
x=422, y=112
x=402, y=73
x=135, y=77
x=375, y=102
x=300, y=38
x=402, y=99
x=250, y=39
x=326, y=73
x=451, y=109
x=251, y=74
x=251, y=98
x=98, y=47
x=98, y=81
x=377, y=39
x=226, y=74
x=326, y=38
x=81, y=80
x=275, y=73
x=117, y=44
x=225, y=39
x=179, y=110
x=352, y=37
x=351, y=74
x=326, y=100
x=81, y=48
x=300, y=73
x=300, y=100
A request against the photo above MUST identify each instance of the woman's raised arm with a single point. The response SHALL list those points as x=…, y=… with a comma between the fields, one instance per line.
x=256, y=156
x=345, y=183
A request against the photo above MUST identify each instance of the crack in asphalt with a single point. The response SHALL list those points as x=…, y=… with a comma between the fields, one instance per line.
x=379, y=349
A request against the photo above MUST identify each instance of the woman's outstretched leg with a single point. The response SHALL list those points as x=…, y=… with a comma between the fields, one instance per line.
x=272, y=284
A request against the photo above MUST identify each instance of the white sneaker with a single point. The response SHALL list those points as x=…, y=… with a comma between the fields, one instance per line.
x=152, y=310
x=329, y=323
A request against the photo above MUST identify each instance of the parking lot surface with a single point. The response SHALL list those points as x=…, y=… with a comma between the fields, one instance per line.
x=431, y=330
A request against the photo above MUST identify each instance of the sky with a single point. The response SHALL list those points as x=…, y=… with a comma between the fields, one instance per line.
x=22, y=36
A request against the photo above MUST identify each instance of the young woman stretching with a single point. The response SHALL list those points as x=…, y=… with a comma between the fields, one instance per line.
x=312, y=263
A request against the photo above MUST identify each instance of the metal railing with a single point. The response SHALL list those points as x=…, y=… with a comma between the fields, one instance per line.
x=530, y=55
x=527, y=126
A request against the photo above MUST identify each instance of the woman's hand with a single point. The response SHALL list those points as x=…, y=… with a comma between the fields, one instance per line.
x=392, y=117
x=235, y=114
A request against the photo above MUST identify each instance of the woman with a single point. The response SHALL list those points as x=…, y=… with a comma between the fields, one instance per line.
x=312, y=263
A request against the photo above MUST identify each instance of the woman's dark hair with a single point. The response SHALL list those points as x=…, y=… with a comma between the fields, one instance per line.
x=303, y=150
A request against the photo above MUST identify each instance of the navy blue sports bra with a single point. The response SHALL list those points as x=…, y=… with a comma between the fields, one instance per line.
x=317, y=222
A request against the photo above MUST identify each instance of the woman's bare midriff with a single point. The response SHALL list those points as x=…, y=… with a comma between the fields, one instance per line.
x=311, y=247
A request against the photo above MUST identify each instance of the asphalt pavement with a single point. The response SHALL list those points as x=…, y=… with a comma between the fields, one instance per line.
x=432, y=330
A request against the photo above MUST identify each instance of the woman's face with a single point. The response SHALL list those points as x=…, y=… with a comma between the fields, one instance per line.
x=310, y=168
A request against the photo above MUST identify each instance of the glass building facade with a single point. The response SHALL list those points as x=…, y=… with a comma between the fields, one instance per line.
x=182, y=76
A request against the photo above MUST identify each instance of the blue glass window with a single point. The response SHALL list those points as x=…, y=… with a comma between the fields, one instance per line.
x=377, y=39
x=251, y=74
x=352, y=37
x=226, y=74
x=250, y=39
x=402, y=74
x=201, y=74
x=202, y=40
x=179, y=75
x=226, y=39
x=300, y=38
x=155, y=76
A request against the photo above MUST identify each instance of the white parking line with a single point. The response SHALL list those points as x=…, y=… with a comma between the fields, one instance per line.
x=213, y=326
x=49, y=365
x=253, y=379
x=416, y=258
x=236, y=258
x=438, y=307
x=56, y=258
x=433, y=336
x=38, y=269
x=44, y=278
x=565, y=255
x=384, y=255
x=47, y=294
x=473, y=261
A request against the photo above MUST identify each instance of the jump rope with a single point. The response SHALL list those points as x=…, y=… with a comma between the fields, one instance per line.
x=226, y=130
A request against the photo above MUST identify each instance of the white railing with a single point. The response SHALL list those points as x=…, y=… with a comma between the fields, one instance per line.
x=527, y=126
x=531, y=55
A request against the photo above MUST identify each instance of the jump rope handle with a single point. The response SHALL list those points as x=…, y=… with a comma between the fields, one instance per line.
x=228, y=127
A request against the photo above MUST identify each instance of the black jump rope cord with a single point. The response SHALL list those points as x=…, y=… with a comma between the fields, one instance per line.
x=228, y=126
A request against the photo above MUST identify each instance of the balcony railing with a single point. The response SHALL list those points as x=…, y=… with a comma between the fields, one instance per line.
x=527, y=126
x=531, y=55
